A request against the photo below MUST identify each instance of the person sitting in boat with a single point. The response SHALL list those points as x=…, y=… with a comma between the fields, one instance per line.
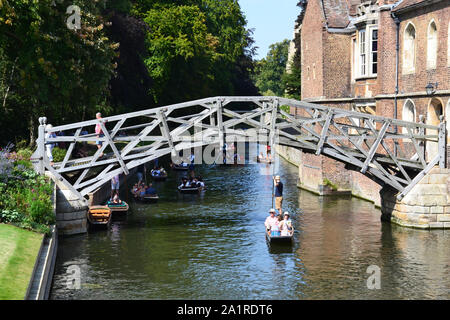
x=116, y=199
x=271, y=220
x=142, y=190
x=150, y=190
x=286, y=225
x=200, y=182
x=195, y=183
x=183, y=164
x=135, y=188
x=162, y=170
x=183, y=183
x=156, y=171
x=275, y=228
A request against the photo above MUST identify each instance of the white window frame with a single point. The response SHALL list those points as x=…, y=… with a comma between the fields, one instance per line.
x=365, y=53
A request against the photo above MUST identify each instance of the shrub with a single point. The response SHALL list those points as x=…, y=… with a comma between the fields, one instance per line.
x=58, y=154
x=25, y=196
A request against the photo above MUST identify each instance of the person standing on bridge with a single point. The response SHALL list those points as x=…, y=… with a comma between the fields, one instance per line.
x=278, y=194
x=49, y=147
x=99, y=132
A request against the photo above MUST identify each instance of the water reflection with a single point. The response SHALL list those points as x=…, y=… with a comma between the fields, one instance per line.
x=213, y=247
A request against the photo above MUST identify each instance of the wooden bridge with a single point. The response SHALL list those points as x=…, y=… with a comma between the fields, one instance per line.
x=389, y=151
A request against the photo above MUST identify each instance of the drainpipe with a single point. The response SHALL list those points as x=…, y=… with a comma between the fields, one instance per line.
x=397, y=49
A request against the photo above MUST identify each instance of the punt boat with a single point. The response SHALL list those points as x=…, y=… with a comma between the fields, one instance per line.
x=99, y=216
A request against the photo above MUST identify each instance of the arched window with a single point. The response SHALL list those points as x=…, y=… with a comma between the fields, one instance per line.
x=432, y=45
x=408, y=113
x=409, y=48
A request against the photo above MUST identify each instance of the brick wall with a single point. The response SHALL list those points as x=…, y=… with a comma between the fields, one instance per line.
x=337, y=62
x=312, y=51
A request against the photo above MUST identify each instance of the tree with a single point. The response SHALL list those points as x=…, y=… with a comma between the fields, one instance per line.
x=61, y=73
x=269, y=71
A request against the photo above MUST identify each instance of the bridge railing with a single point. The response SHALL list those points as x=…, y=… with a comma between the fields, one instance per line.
x=391, y=151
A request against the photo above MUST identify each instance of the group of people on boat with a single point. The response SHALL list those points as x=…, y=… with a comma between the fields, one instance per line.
x=278, y=225
x=192, y=182
x=158, y=171
x=142, y=190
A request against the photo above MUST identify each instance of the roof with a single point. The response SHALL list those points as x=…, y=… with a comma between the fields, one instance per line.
x=407, y=5
x=336, y=13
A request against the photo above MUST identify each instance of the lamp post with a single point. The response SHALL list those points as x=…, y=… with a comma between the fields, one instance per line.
x=431, y=88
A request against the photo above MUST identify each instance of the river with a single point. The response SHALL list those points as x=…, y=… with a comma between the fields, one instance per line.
x=212, y=246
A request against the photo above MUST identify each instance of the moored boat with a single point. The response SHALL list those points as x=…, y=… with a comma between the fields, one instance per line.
x=159, y=177
x=99, y=216
x=145, y=198
x=190, y=189
x=118, y=207
x=180, y=168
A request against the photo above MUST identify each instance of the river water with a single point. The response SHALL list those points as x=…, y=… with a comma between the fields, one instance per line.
x=212, y=246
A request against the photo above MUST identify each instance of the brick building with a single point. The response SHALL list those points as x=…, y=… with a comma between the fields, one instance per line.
x=374, y=56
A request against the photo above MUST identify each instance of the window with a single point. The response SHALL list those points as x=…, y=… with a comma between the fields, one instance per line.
x=432, y=43
x=362, y=52
x=409, y=48
x=374, y=51
x=367, y=56
x=408, y=113
x=354, y=59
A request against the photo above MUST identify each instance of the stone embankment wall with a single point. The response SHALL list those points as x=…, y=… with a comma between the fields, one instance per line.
x=71, y=212
x=426, y=206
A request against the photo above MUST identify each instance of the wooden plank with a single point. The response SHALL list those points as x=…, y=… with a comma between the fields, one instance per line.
x=113, y=147
x=418, y=177
x=69, y=151
x=375, y=146
x=324, y=132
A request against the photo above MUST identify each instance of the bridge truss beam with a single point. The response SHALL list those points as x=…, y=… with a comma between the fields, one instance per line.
x=390, y=151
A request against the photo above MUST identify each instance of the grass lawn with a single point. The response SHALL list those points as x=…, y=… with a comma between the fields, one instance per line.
x=18, y=252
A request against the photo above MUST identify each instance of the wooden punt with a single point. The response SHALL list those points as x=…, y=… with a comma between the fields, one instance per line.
x=160, y=177
x=148, y=198
x=280, y=239
x=99, y=216
x=118, y=207
x=180, y=168
x=152, y=198
x=190, y=190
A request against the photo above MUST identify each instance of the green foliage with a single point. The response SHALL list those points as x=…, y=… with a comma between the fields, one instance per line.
x=327, y=182
x=58, y=154
x=293, y=82
x=49, y=69
x=269, y=71
x=25, y=196
x=154, y=52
